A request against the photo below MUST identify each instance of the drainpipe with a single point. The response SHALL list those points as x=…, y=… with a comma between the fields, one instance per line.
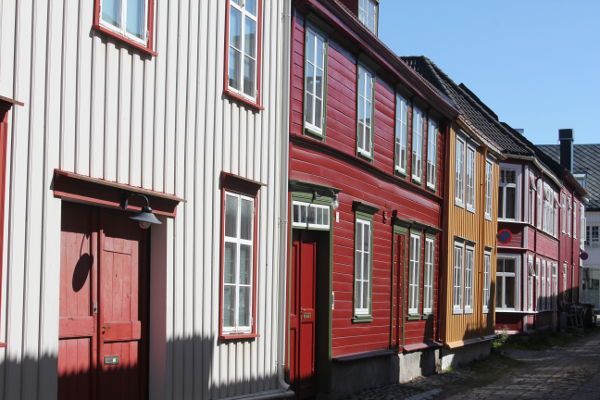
x=284, y=129
x=445, y=256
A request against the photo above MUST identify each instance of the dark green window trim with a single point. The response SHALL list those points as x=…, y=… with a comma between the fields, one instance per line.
x=359, y=66
x=417, y=231
x=413, y=317
x=364, y=212
x=309, y=198
x=306, y=129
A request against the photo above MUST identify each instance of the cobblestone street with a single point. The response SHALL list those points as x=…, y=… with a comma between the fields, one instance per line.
x=570, y=372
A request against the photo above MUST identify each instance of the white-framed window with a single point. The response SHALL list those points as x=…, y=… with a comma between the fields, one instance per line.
x=470, y=175
x=487, y=280
x=311, y=216
x=489, y=176
x=542, y=278
x=530, y=279
x=531, y=200
x=413, y=273
x=564, y=278
x=563, y=213
x=366, y=92
x=540, y=203
x=432, y=136
x=582, y=225
x=367, y=14
x=549, y=222
x=243, y=48
x=548, y=285
x=569, y=215
x=554, y=285
x=457, y=278
x=401, y=136
x=538, y=284
x=507, y=194
x=314, y=81
x=469, y=272
x=128, y=18
x=506, y=281
x=459, y=175
x=417, y=145
x=593, y=235
x=575, y=219
x=428, y=276
x=362, y=267
x=238, y=263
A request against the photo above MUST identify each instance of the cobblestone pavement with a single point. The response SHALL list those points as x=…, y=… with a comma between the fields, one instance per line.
x=571, y=372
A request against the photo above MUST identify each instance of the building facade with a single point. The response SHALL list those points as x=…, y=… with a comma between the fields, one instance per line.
x=176, y=106
x=367, y=144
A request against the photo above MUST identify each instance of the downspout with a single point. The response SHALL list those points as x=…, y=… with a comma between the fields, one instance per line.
x=442, y=277
x=481, y=239
x=285, y=139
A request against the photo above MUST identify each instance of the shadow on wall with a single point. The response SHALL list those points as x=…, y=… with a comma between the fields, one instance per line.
x=190, y=374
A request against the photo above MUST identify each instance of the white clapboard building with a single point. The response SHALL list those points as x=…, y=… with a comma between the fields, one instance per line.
x=151, y=109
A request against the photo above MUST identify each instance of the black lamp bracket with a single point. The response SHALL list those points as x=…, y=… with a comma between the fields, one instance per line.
x=127, y=196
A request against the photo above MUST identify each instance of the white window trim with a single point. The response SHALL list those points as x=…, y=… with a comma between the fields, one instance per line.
x=238, y=241
x=471, y=203
x=123, y=30
x=518, y=174
x=459, y=200
x=428, y=273
x=489, y=187
x=366, y=99
x=414, y=271
x=363, y=14
x=468, y=290
x=317, y=38
x=457, y=287
x=417, y=144
x=401, y=134
x=366, y=269
x=432, y=151
x=530, y=299
x=244, y=52
x=516, y=275
x=487, y=280
x=308, y=206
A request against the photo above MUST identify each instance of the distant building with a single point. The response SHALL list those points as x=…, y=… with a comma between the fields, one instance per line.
x=586, y=170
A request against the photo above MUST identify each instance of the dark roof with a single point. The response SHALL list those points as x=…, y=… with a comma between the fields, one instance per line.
x=471, y=108
x=585, y=160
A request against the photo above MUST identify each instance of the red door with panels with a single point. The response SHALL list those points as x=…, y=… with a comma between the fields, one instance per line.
x=103, y=305
x=302, y=336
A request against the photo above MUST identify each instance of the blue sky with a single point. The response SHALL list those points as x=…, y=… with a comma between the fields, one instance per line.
x=536, y=63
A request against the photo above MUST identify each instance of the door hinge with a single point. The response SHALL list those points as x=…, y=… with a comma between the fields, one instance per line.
x=95, y=308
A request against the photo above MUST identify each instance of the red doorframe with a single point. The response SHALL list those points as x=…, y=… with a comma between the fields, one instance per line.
x=104, y=305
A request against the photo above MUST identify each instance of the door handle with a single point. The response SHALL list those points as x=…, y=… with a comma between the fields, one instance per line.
x=105, y=328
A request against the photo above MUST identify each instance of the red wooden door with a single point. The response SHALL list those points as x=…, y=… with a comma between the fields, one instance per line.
x=303, y=298
x=104, y=286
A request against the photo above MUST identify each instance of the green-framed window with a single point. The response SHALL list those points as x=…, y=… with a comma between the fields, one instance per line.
x=417, y=145
x=401, y=136
x=315, y=81
x=414, y=273
x=362, y=266
x=428, y=273
x=432, y=138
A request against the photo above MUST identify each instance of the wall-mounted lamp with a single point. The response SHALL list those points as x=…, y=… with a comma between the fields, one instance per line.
x=335, y=203
x=144, y=218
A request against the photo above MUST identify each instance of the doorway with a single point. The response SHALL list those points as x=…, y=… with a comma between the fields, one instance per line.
x=309, y=312
x=104, y=297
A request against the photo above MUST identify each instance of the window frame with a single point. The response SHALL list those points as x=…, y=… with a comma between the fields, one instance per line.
x=489, y=187
x=503, y=186
x=414, y=274
x=457, y=272
x=428, y=275
x=503, y=275
x=400, y=164
x=487, y=280
x=417, y=144
x=309, y=126
x=369, y=154
x=432, y=153
x=530, y=284
x=253, y=102
x=360, y=313
x=470, y=196
x=469, y=272
x=360, y=16
x=459, y=172
x=238, y=332
x=145, y=46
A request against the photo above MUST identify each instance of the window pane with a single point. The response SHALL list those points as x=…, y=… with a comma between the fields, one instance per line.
x=136, y=15
x=251, y=7
x=111, y=12
x=367, y=239
x=308, y=106
x=510, y=202
x=320, y=61
x=244, y=307
x=249, y=75
x=250, y=37
x=229, y=262
x=234, y=68
x=235, y=29
x=318, y=113
x=510, y=291
x=365, y=301
x=231, y=207
x=229, y=306
x=246, y=220
x=499, y=290
x=245, y=264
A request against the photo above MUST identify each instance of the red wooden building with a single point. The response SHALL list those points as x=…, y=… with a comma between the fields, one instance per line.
x=366, y=169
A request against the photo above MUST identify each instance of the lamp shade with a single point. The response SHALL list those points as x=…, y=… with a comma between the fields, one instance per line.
x=146, y=217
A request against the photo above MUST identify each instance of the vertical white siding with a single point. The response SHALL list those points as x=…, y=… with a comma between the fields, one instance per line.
x=97, y=108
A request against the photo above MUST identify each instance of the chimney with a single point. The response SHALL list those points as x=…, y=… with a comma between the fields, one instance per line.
x=565, y=137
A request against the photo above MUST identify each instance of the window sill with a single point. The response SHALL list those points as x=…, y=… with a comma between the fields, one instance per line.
x=427, y=315
x=413, y=317
x=363, y=154
x=459, y=204
x=471, y=209
x=400, y=172
x=313, y=133
x=431, y=187
x=457, y=312
x=124, y=40
x=227, y=337
x=416, y=180
x=253, y=105
x=362, y=319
